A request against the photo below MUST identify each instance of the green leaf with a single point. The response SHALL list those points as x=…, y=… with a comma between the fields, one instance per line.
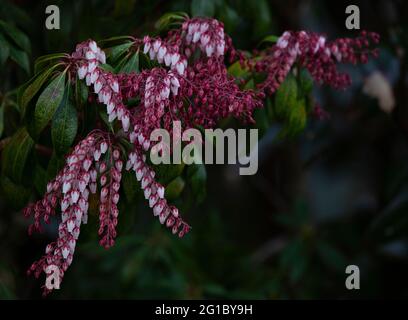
x=306, y=82
x=117, y=51
x=132, y=65
x=21, y=58
x=169, y=19
x=18, y=37
x=269, y=39
x=286, y=96
x=32, y=89
x=202, y=8
x=4, y=50
x=64, y=126
x=175, y=188
x=15, y=155
x=47, y=61
x=107, y=67
x=48, y=102
x=297, y=118
x=81, y=93
x=237, y=71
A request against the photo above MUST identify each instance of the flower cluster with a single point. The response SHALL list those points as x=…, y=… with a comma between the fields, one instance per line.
x=194, y=89
x=154, y=193
x=165, y=53
x=313, y=52
x=71, y=188
x=104, y=83
x=208, y=35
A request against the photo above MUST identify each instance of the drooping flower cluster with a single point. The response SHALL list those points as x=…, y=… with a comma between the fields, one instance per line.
x=313, y=52
x=208, y=35
x=165, y=53
x=192, y=85
x=104, y=83
x=154, y=193
x=71, y=189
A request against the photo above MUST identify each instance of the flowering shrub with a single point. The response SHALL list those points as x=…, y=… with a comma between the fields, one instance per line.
x=193, y=75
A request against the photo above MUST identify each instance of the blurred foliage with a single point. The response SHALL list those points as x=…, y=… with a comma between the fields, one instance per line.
x=328, y=193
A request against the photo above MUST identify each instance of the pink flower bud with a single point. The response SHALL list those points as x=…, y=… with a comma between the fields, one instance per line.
x=93, y=175
x=70, y=225
x=97, y=155
x=125, y=123
x=116, y=186
x=119, y=165
x=160, y=191
x=116, y=154
x=93, y=46
x=82, y=72
x=104, y=192
x=87, y=164
x=92, y=187
x=90, y=56
x=82, y=185
x=115, y=198
x=102, y=167
x=103, y=180
x=139, y=174
x=74, y=196
x=153, y=200
x=65, y=252
x=66, y=187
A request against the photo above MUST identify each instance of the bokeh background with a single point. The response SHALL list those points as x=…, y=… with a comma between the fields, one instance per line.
x=334, y=195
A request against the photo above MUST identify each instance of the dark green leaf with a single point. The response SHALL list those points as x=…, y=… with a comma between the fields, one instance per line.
x=19, y=38
x=306, y=82
x=175, y=188
x=297, y=118
x=48, y=102
x=32, y=89
x=81, y=93
x=169, y=19
x=64, y=126
x=15, y=155
x=47, y=61
x=286, y=96
x=117, y=51
x=132, y=65
x=269, y=39
x=21, y=58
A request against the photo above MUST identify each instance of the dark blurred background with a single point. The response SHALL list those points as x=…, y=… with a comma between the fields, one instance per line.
x=334, y=195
